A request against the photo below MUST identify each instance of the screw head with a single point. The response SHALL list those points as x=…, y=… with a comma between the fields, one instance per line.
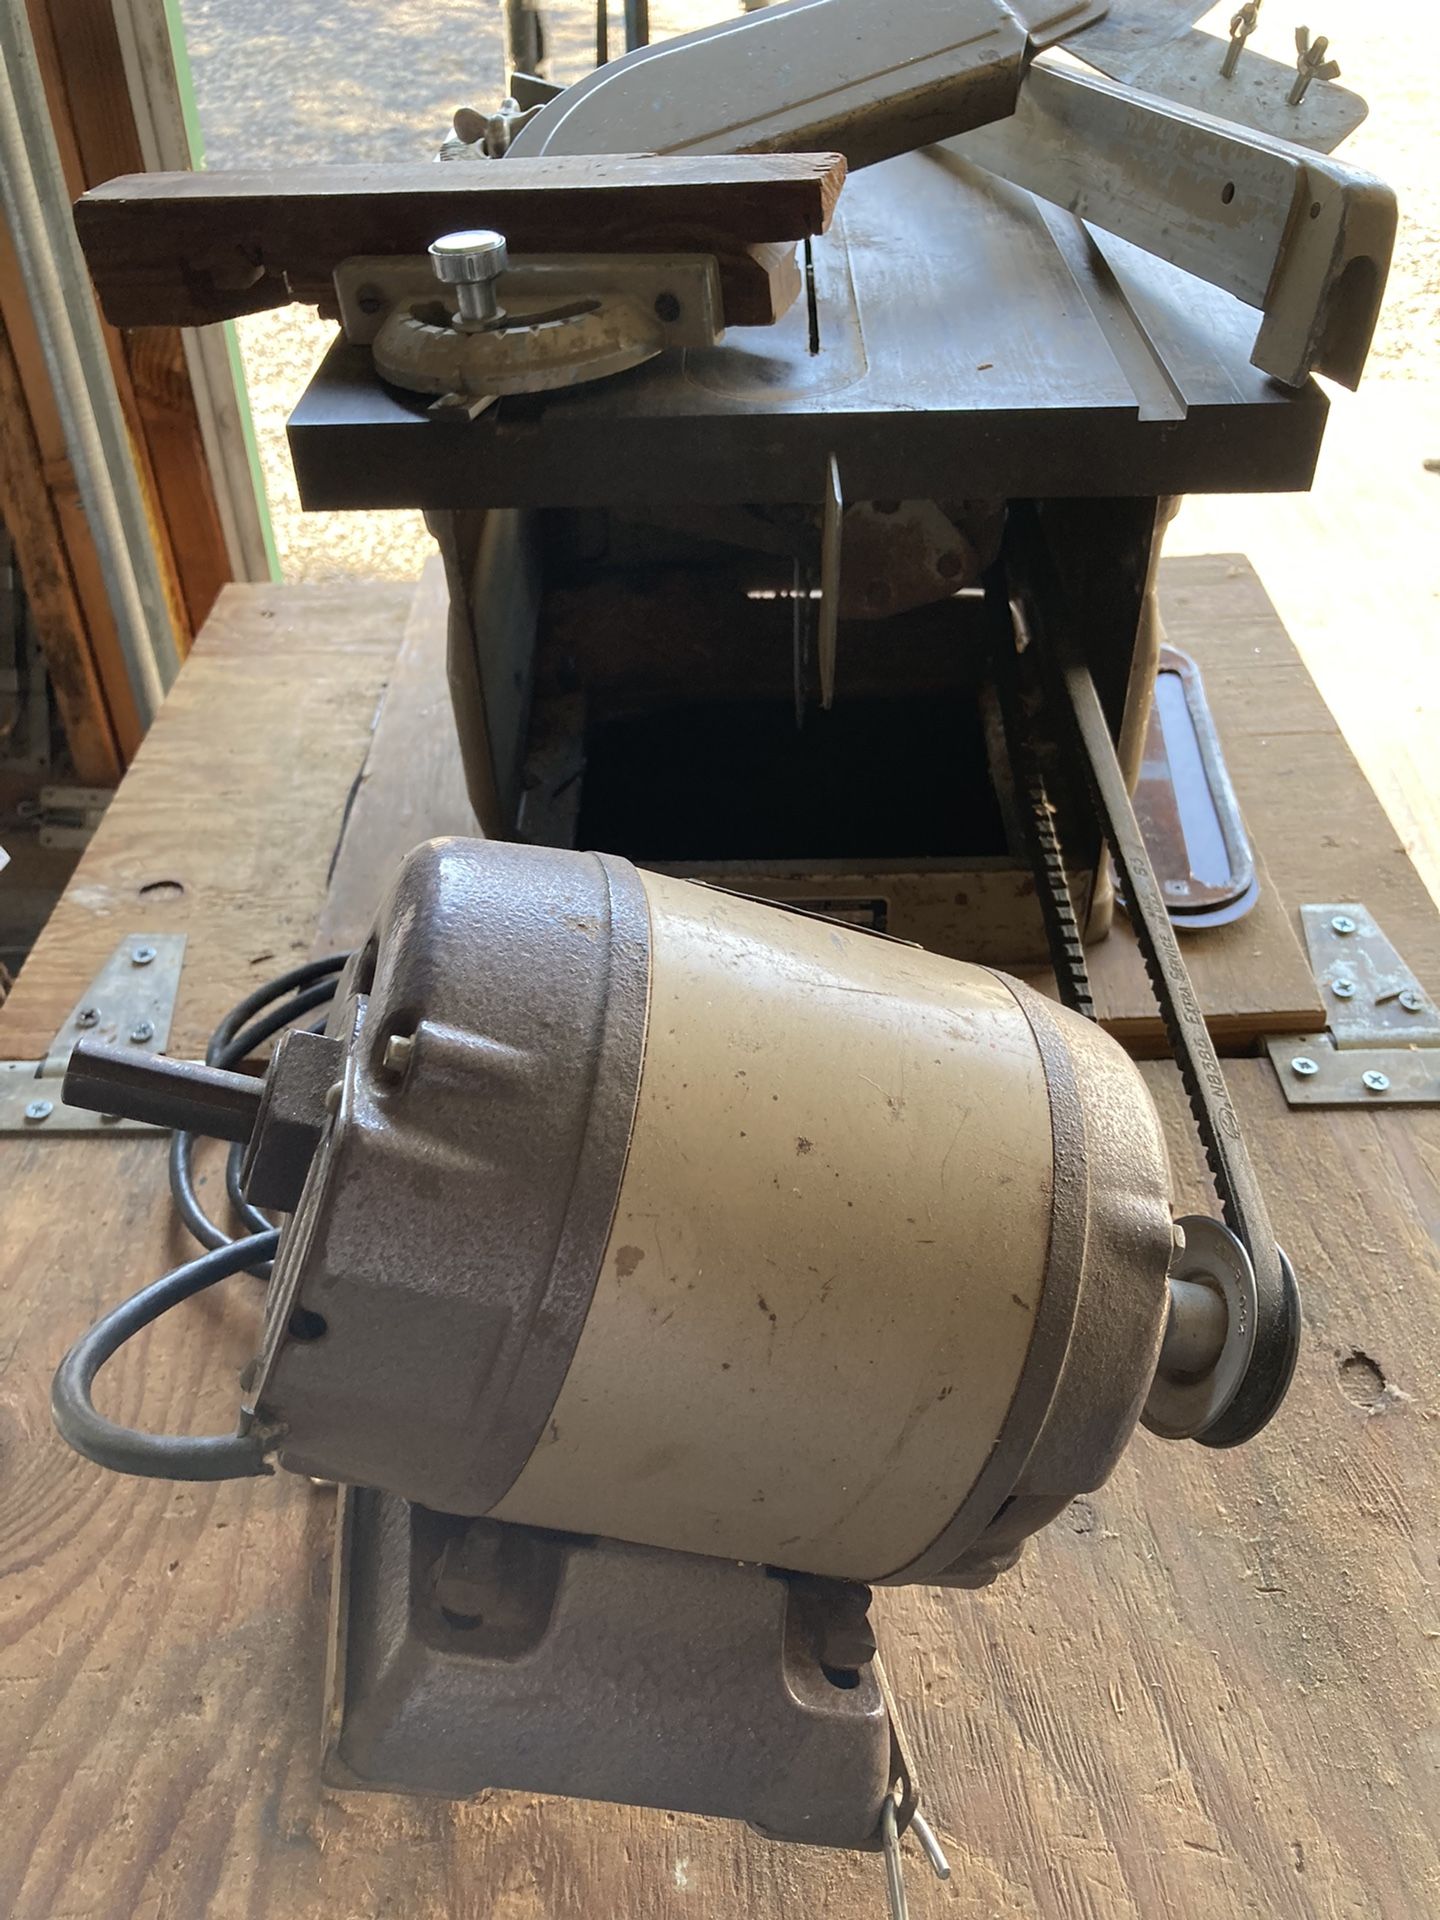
x=1303, y=1065
x=88, y=1017
x=142, y=1031
x=141, y=956
x=1343, y=989
x=1411, y=1001
x=667, y=308
x=1374, y=1082
x=39, y=1110
x=1342, y=923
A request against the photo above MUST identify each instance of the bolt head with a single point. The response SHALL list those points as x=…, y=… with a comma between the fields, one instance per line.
x=468, y=258
x=39, y=1110
x=1411, y=1001
x=141, y=956
x=1303, y=1065
x=88, y=1017
x=1374, y=1082
x=1343, y=989
x=142, y=1031
x=396, y=1057
x=1342, y=923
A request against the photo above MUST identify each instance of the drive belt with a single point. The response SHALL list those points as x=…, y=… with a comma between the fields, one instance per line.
x=1243, y=1205
x=1036, y=818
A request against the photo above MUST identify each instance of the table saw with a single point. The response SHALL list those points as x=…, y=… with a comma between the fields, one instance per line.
x=826, y=582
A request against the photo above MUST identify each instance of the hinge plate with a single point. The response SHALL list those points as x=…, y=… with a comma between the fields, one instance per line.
x=1372, y=999
x=1314, y=1072
x=129, y=1003
x=1383, y=1043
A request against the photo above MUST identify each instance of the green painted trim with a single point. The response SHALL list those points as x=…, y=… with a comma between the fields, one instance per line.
x=184, y=82
x=194, y=140
x=252, y=448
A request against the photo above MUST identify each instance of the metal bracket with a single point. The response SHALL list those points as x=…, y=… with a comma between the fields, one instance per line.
x=468, y=1654
x=1383, y=1044
x=1186, y=805
x=832, y=515
x=681, y=290
x=129, y=1003
x=1304, y=238
x=67, y=816
x=876, y=82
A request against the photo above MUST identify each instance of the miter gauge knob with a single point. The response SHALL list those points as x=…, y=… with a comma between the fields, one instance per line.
x=472, y=262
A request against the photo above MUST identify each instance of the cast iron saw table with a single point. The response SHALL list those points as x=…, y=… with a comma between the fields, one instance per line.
x=971, y=340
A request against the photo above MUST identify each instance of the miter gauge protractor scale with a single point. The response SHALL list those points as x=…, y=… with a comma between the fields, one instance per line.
x=473, y=324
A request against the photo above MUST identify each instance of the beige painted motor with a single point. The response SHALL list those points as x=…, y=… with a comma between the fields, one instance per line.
x=628, y=1207
x=650, y=1211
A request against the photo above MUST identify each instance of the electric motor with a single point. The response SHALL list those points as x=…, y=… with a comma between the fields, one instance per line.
x=651, y=1211
x=628, y=1207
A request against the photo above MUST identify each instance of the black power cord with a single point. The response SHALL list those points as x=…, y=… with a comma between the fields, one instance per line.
x=159, y=1456
x=274, y=1005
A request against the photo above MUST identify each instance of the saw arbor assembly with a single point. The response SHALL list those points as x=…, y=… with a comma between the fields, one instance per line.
x=680, y=1233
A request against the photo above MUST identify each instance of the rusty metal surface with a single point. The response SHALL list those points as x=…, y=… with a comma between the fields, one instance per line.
x=1188, y=70
x=1186, y=806
x=898, y=554
x=971, y=344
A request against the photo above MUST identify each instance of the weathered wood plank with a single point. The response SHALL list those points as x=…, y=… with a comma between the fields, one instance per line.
x=232, y=808
x=1303, y=796
x=412, y=786
x=187, y=248
x=28, y=510
x=1252, y=978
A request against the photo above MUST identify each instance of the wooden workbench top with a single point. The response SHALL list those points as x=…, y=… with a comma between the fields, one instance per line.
x=1211, y=1689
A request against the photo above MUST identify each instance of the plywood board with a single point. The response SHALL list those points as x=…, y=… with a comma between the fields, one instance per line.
x=1252, y=978
x=232, y=808
x=412, y=786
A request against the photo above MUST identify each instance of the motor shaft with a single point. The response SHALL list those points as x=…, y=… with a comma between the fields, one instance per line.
x=183, y=1094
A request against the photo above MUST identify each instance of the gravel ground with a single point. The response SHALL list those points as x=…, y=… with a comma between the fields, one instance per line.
x=352, y=80
x=358, y=79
